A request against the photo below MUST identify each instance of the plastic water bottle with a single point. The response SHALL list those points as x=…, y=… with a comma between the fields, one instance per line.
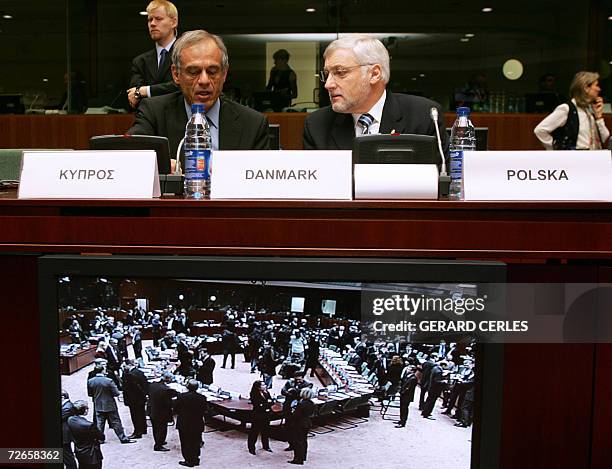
x=463, y=137
x=198, y=155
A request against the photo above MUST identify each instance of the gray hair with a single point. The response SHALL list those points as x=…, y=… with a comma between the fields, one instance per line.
x=367, y=50
x=80, y=407
x=192, y=385
x=307, y=393
x=191, y=38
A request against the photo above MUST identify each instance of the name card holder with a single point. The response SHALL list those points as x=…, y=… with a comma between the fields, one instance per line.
x=537, y=175
x=396, y=181
x=89, y=174
x=287, y=174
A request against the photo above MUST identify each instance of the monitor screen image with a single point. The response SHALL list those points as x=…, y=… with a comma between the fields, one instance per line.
x=396, y=149
x=136, y=142
x=125, y=327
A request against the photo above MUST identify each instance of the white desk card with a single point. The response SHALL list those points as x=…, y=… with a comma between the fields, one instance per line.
x=396, y=181
x=89, y=174
x=286, y=174
x=537, y=175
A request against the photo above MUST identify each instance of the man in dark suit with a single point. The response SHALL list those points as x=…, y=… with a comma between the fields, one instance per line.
x=151, y=74
x=86, y=437
x=205, y=370
x=355, y=74
x=160, y=409
x=67, y=412
x=436, y=386
x=135, y=391
x=407, y=386
x=103, y=391
x=190, y=409
x=229, y=341
x=199, y=66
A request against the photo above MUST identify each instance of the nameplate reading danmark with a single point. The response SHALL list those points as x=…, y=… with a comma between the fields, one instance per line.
x=537, y=175
x=95, y=174
x=287, y=174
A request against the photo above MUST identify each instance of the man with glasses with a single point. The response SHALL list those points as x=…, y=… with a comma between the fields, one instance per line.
x=356, y=73
x=199, y=66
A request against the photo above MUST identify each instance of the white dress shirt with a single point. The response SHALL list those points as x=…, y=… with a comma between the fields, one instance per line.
x=376, y=113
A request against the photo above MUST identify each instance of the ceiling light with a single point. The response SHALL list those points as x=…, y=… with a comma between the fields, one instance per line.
x=45, y=80
x=143, y=13
x=469, y=35
x=464, y=39
x=487, y=10
x=7, y=17
x=311, y=10
x=609, y=18
x=422, y=75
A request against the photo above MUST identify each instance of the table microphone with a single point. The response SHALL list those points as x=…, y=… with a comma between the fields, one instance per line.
x=444, y=179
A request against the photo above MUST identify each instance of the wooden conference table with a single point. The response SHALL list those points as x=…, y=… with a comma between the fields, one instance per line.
x=557, y=241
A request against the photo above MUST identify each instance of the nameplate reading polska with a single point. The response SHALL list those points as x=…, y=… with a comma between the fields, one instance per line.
x=537, y=175
x=95, y=174
x=287, y=174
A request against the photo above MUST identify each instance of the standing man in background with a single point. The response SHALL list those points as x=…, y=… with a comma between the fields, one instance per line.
x=151, y=74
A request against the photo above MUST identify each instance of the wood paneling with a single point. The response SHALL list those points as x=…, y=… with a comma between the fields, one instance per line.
x=506, y=131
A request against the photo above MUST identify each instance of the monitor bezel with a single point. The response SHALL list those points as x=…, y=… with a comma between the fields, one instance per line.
x=136, y=142
x=487, y=417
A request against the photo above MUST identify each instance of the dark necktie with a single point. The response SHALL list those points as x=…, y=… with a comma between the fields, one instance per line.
x=365, y=120
x=162, y=59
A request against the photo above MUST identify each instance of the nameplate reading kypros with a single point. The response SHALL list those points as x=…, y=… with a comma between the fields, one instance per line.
x=537, y=175
x=290, y=174
x=96, y=174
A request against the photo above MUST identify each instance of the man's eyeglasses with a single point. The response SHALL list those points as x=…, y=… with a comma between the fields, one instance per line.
x=339, y=73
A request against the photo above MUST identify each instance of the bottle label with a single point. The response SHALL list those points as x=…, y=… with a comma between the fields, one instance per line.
x=456, y=164
x=197, y=164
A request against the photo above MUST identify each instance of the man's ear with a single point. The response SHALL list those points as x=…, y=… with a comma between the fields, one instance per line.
x=376, y=74
x=174, y=74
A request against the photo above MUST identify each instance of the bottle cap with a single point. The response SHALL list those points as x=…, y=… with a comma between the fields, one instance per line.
x=196, y=107
x=463, y=111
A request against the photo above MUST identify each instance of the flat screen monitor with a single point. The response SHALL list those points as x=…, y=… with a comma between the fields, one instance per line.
x=396, y=149
x=11, y=104
x=274, y=136
x=91, y=303
x=270, y=101
x=136, y=142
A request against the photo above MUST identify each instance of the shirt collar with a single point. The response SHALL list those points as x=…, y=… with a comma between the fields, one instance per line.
x=212, y=115
x=159, y=48
x=376, y=110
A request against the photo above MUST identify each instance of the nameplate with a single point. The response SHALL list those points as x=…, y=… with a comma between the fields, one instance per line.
x=537, y=175
x=396, y=181
x=89, y=174
x=287, y=174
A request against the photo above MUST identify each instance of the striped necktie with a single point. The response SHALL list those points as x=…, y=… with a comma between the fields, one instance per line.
x=365, y=120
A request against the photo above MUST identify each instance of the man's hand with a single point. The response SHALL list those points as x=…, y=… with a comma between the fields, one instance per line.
x=133, y=97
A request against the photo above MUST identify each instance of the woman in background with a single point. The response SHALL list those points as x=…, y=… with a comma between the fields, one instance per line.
x=577, y=124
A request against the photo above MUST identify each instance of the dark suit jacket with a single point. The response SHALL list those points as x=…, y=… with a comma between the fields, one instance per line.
x=405, y=114
x=407, y=386
x=67, y=412
x=103, y=390
x=205, y=372
x=190, y=409
x=135, y=387
x=86, y=438
x=145, y=73
x=160, y=400
x=240, y=128
x=302, y=413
